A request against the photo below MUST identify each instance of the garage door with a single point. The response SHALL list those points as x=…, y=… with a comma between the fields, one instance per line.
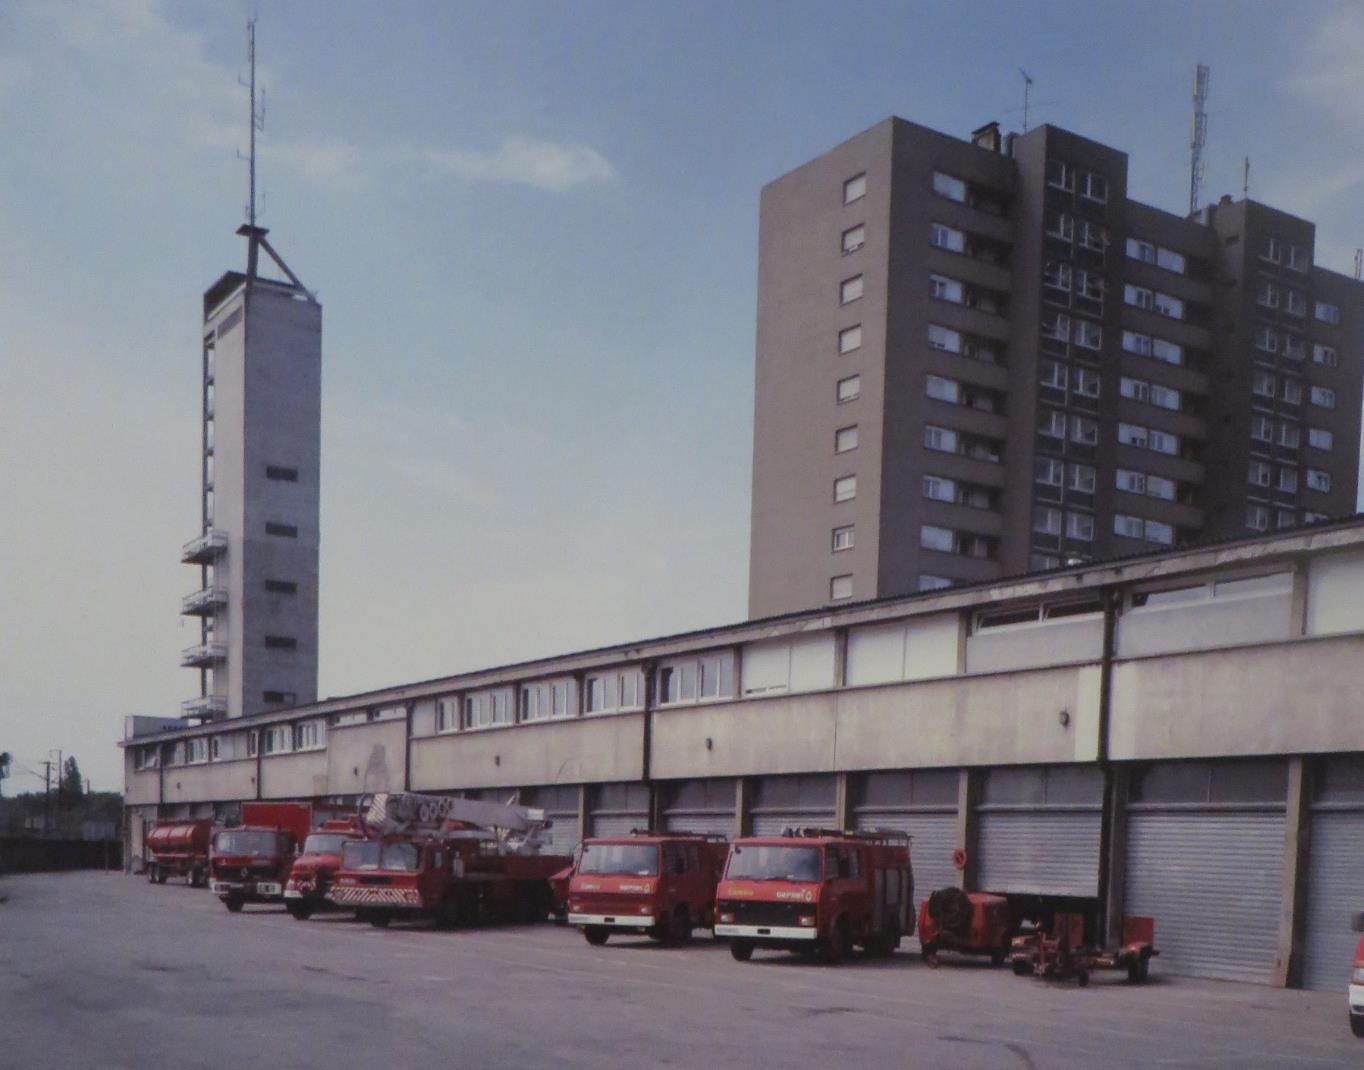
x=933, y=838
x=1211, y=880
x=1040, y=852
x=1335, y=893
x=774, y=822
x=801, y=801
x=700, y=806
x=709, y=823
x=618, y=824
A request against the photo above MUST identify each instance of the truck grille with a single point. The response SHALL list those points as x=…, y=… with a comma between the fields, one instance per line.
x=771, y=914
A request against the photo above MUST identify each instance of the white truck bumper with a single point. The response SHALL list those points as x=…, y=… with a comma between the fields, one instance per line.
x=767, y=932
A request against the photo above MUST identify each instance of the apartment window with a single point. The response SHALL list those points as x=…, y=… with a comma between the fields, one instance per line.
x=1080, y=526
x=1267, y=339
x=1165, y=397
x=1169, y=352
x=1289, y=434
x=1170, y=260
x=941, y=389
x=1162, y=442
x=1319, y=439
x=284, y=475
x=1257, y=517
x=278, y=697
x=845, y=439
x=1266, y=294
x=1293, y=347
x=944, y=338
x=1259, y=474
x=1136, y=389
x=1130, y=527
x=281, y=586
x=1057, y=275
x=1046, y=521
x=1087, y=334
x=1054, y=374
x=1093, y=236
x=1084, y=430
x=252, y=744
x=1272, y=250
x=855, y=188
x=1090, y=284
x=1055, y=325
x=1136, y=343
x=1327, y=313
x=850, y=338
x=939, y=489
x=935, y=538
x=933, y=583
x=1042, y=562
x=1292, y=391
x=1288, y=480
x=447, y=714
x=1048, y=471
x=1160, y=487
x=197, y=750
x=843, y=538
x=1314, y=518
x=1325, y=355
x=284, y=531
x=1132, y=435
x=1141, y=250
x=1169, y=306
x=1262, y=384
x=1285, y=518
x=1095, y=187
x=949, y=238
x=1323, y=397
x=1087, y=382
x=1318, y=480
x=1052, y=424
x=1132, y=482
x=849, y=389
x=1138, y=296
x=1082, y=478
x=854, y=238
x=1060, y=225
x=845, y=488
x=840, y=587
x=850, y=290
x=940, y=438
x=310, y=735
x=1298, y=258
x=1158, y=531
x=281, y=642
x=1060, y=174
x=954, y=189
x=1296, y=302
x=945, y=289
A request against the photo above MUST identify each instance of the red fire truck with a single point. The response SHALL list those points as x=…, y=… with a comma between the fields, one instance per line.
x=251, y=863
x=816, y=891
x=179, y=849
x=661, y=885
x=455, y=861
x=312, y=874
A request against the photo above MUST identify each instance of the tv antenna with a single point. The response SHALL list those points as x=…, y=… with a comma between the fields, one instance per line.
x=1027, y=96
x=1245, y=179
x=257, y=121
x=1359, y=263
x=1199, y=136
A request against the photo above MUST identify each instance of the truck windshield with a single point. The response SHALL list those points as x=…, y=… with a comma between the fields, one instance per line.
x=755, y=862
x=620, y=859
x=324, y=843
x=400, y=857
x=360, y=854
x=258, y=843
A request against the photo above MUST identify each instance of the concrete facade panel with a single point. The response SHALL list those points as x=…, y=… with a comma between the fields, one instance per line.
x=294, y=776
x=210, y=782
x=366, y=758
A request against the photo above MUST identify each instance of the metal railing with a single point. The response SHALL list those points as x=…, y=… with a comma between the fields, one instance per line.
x=202, y=654
x=203, y=600
x=204, y=548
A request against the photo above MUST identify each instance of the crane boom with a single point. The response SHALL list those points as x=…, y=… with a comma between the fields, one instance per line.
x=392, y=812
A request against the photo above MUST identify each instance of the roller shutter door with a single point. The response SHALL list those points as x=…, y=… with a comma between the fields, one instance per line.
x=707, y=823
x=773, y=822
x=1040, y=851
x=934, y=838
x=1335, y=893
x=562, y=836
x=618, y=824
x=1211, y=880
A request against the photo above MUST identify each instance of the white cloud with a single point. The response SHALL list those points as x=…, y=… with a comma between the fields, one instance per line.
x=545, y=165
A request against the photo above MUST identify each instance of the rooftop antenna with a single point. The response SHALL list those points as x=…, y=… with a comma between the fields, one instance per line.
x=1245, y=179
x=1027, y=96
x=1359, y=263
x=1200, y=133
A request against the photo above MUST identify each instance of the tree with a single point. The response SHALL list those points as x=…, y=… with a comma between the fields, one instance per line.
x=72, y=786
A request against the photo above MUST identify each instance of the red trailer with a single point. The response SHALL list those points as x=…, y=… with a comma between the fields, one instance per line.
x=972, y=923
x=179, y=849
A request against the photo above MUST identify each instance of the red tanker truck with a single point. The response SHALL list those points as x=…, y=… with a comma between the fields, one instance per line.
x=179, y=849
x=252, y=863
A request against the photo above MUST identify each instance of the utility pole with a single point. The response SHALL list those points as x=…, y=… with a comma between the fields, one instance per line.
x=47, y=794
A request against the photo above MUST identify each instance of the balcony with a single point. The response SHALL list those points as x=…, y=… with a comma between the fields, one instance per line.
x=203, y=655
x=203, y=602
x=204, y=549
x=208, y=707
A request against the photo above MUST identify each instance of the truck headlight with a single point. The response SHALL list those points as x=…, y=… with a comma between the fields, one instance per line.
x=726, y=919
x=808, y=920
x=646, y=909
x=1357, y=978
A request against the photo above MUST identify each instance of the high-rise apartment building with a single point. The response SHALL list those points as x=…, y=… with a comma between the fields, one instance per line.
x=980, y=358
x=258, y=549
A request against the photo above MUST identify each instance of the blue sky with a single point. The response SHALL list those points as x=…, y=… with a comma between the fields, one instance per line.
x=533, y=230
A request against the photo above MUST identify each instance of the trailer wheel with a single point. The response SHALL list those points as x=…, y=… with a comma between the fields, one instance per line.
x=196, y=877
x=161, y=875
x=597, y=935
x=1357, y=1024
x=742, y=950
x=1139, y=968
x=929, y=951
x=151, y=872
x=233, y=904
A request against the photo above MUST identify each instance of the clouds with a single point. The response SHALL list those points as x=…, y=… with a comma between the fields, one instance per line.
x=543, y=165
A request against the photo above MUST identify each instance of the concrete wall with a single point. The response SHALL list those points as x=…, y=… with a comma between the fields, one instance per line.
x=366, y=757
x=210, y=782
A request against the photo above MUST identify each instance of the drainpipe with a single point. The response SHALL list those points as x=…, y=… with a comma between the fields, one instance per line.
x=1113, y=824
x=407, y=748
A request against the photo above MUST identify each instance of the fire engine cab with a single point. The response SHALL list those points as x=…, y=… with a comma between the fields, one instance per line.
x=814, y=891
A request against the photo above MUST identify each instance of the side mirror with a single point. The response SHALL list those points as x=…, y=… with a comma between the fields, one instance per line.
x=1357, y=923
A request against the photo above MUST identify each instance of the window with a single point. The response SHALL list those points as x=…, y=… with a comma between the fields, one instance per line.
x=1289, y=434
x=1060, y=225
x=1128, y=526
x=1087, y=382
x=286, y=475
x=1324, y=355
x=1084, y=430
x=1132, y=482
x=1319, y=439
x=1169, y=352
x=1294, y=347
x=854, y=238
x=1080, y=526
x=1295, y=302
x=849, y=389
x=310, y=735
x=1160, y=487
x=1288, y=480
x=1299, y=259
x=196, y=750
x=252, y=744
x=285, y=531
x=1093, y=236
x=845, y=488
x=1136, y=343
x=1046, y=521
x=1055, y=325
x=845, y=439
x=1057, y=275
x=1060, y=174
x=1090, y=284
x=278, y=698
x=1162, y=442
x=1087, y=334
x=447, y=715
x=1170, y=260
x=1266, y=294
x=281, y=586
x=940, y=438
x=1136, y=389
x=855, y=188
x=1292, y=391
x=280, y=642
x=843, y=539
x=939, y=489
x=840, y=587
x=1156, y=531
x=933, y=583
x=1272, y=250
x=1261, y=428
x=850, y=338
x=1138, y=296
x=614, y=691
x=1262, y=384
x=545, y=700
x=1259, y=474
x=850, y=290
x=1169, y=306
x=1257, y=517
x=1327, y=313
x=485, y=708
x=278, y=739
x=945, y=289
x=1166, y=397
x=1048, y=471
x=1323, y=396
x=949, y=238
x=215, y=748
x=1285, y=518
x=1052, y=424
x=954, y=189
x=1314, y=518
x=1266, y=338
x=1082, y=478
x=1054, y=374
x=944, y=339
x=934, y=538
x=941, y=389
x=1318, y=480
x=1141, y=250
x=1095, y=187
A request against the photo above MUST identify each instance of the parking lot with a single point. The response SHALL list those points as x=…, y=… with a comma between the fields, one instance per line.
x=106, y=971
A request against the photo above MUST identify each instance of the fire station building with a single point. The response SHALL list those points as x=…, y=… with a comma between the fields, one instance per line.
x=1176, y=734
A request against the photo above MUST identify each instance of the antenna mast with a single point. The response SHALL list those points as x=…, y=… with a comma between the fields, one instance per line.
x=1200, y=134
x=1027, y=94
x=1359, y=263
x=1245, y=179
x=257, y=121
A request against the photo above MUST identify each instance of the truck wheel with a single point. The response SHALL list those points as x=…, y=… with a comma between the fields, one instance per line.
x=161, y=875
x=196, y=877
x=929, y=951
x=679, y=926
x=597, y=935
x=742, y=950
x=151, y=873
x=1021, y=968
x=299, y=911
x=835, y=945
x=380, y=919
x=1357, y=1024
x=1082, y=977
x=233, y=904
x=997, y=956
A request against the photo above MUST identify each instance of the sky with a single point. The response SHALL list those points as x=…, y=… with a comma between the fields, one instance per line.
x=533, y=230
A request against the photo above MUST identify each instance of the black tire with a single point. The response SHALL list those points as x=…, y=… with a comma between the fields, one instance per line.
x=161, y=875
x=597, y=935
x=998, y=956
x=151, y=873
x=836, y=945
x=741, y=950
x=1082, y=977
x=1021, y=968
x=929, y=951
x=196, y=878
x=299, y=911
x=234, y=904
x=380, y=919
x=1357, y=1024
x=680, y=925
